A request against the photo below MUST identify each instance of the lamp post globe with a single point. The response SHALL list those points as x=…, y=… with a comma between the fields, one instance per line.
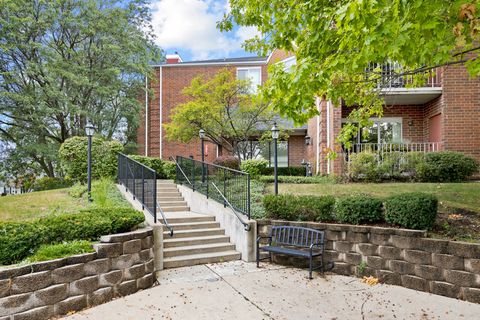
x=89, y=131
x=275, y=134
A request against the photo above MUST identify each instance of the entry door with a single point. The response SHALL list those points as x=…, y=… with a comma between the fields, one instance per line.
x=435, y=128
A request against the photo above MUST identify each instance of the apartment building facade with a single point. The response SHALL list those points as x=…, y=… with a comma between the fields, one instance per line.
x=441, y=115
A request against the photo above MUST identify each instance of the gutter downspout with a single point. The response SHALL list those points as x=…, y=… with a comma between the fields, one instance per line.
x=161, y=110
x=328, y=133
x=317, y=155
x=146, y=116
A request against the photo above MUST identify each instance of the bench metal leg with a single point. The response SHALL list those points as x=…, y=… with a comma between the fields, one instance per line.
x=311, y=267
x=258, y=255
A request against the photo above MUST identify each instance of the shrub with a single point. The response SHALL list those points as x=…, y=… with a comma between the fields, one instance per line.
x=446, y=166
x=256, y=199
x=77, y=190
x=411, y=210
x=363, y=166
x=285, y=171
x=169, y=170
x=228, y=161
x=73, y=158
x=56, y=251
x=299, y=180
x=303, y=208
x=50, y=183
x=254, y=167
x=151, y=162
x=18, y=240
x=358, y=209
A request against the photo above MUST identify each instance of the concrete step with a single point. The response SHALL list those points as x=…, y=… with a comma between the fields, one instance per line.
x=185, y=242
x=169, y=198
x=173, y=218
x=174, y=203
x=201, y=258
x=193, y=225
x=203, y=248
x=165, y=181
x=195, y=233
x=162, y=189
x=168, y=194
x=174, y=208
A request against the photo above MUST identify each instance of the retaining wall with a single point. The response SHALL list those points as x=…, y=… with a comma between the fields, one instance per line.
x=121, y=264
x=396, y=256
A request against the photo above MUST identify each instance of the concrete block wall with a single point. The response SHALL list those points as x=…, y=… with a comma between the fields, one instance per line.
x=121, y=264
x=396, y=256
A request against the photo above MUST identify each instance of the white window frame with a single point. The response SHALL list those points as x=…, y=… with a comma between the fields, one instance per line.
x=252, y=68
x=380, y=120
x=284, y=61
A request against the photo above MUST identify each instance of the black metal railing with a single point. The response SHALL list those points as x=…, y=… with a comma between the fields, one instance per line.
x=141, y=182
x=227, y=186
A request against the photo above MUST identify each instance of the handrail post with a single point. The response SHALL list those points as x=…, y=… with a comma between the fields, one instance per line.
x=143, y=189
x=224, y=187
x=248, y=196
x=207, y=181
x=193, y=173
x=155, y=198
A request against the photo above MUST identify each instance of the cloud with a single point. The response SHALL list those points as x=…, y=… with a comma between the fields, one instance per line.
x=191, y=25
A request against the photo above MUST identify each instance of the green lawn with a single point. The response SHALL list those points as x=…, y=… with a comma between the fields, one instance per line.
x=450, y=195
x=36, y=204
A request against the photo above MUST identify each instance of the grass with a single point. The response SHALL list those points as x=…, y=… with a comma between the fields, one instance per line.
x=451, y=196
x=33, y=205
x=56, y=251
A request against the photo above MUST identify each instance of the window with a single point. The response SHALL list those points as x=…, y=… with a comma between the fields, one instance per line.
x=264, y=150
x=384, y=130
x=289, y=63
x=252, y=74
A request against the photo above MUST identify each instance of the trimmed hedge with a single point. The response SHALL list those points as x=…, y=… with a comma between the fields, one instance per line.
x=20, y=239
x=301, y=208
x=228, y=161
x=254, y=167
x=411, y=210
x=164, y=169
x=358, y=209
x=299, y=180
x=446, y=166
x=285, y=171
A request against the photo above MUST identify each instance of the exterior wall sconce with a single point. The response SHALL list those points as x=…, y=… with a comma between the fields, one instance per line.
x=308, y=140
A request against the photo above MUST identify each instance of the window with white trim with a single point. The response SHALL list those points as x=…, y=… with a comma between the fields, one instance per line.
x=253, y=74
x=383, y=130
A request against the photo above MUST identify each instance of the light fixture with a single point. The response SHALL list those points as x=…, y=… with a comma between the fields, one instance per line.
x=275, y=131
x=307, y=140
x=89, y=130
x=201, y=133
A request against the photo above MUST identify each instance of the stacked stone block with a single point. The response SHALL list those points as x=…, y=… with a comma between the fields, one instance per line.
x=121, y=264
x=397, y=256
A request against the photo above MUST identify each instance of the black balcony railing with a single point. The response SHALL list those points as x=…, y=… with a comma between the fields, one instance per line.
x=224, y=185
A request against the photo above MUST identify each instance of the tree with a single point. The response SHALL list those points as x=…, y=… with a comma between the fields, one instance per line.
x=225, y=108
x=63, y=62
x=335, y=41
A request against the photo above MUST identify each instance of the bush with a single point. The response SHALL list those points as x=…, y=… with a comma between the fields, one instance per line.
x=294, y=179
x=73, y=158
x=228, y=161
x=411, y=210
x=358, y=209
x=77, y=190
x=169, y=170
x=285, y=171
x=49, y=183
x=302, y=208
x=363, y=166
x=56, y=251
x=254, y=167
x=446, y=166
x=257, y=189
x=151, y=162
x=20, y=239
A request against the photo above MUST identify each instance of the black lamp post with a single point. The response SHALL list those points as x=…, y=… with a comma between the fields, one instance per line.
x=275, y=133
x=89, y=130
x=201, y=133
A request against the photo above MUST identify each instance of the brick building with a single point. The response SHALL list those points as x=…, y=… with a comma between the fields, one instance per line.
x=441, y=115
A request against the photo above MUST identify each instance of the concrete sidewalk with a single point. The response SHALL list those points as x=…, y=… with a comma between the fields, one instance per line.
x=238, y=290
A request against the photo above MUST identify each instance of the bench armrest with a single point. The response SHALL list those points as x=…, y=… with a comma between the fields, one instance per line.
x=318, y=244
x=264, y=237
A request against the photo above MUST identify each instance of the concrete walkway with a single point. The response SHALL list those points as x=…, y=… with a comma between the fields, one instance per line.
x=238, y=290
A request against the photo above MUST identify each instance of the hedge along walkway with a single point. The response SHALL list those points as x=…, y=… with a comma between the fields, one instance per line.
x=238, y=290
x=452, y=195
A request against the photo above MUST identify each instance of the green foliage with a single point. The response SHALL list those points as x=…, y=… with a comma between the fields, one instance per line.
x=364, y=166
x=73, y=156
x=77, y=190
x=257, y=190
x=411, y=210
x=285, y=171
x=64, y=62
x=60, y=250
x=446, y=166
x=358, y=209
x=49, y=183
x=106, y=194
x=20, y=239
x=302, y=208
x=224, y=108
x=335, y=41
x=254, y=167
x=165, y=169
x=169, y=170
x=295, y=179
x=228, y=161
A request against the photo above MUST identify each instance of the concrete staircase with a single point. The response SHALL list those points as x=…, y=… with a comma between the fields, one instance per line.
x=197, y=239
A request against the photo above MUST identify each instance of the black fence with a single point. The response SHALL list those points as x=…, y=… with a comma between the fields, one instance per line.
x=203, y=177
x=140, y=181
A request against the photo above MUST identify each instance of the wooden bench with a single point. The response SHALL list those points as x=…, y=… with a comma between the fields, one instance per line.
x=294, y=241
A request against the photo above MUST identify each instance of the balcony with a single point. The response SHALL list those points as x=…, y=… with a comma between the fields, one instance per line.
x=397, y=89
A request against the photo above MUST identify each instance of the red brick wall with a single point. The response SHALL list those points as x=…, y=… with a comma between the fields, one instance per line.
x=296, y=150
x=278, y=55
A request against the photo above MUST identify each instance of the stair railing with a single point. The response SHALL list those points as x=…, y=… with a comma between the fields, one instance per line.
x=230, y=187
x=141, y=182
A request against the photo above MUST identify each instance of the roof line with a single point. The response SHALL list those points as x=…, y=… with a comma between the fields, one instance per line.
x=226, y=63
